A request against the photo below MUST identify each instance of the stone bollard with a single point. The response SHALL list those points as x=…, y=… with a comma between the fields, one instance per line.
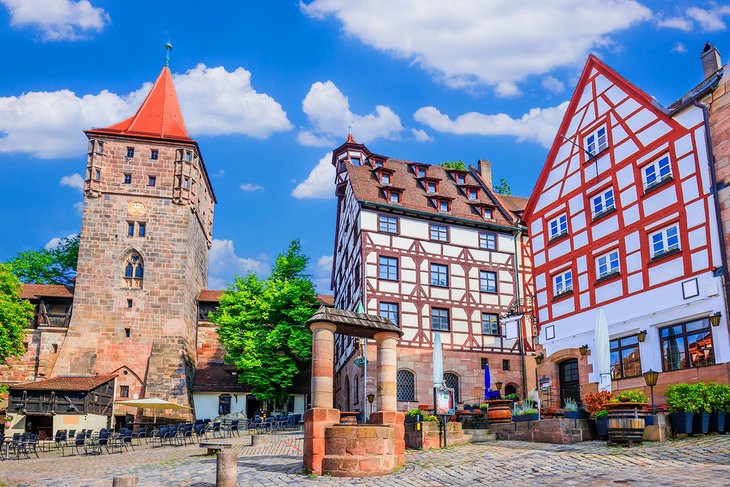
x=125, y=482
x=225, y=475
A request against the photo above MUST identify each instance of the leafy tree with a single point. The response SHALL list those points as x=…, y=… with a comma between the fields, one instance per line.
x=56, y=265
x=503, y=187
x=262, y=325
x=15, y=315
x=459, y=165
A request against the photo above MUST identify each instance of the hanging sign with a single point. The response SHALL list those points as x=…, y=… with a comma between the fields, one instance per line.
x=444, y=401
x=544, y=383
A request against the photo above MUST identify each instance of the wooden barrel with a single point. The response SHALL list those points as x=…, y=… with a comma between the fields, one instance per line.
x=626, y=423
x=500, y=411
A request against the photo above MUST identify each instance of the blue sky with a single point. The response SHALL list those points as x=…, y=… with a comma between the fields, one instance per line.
x=269, y=87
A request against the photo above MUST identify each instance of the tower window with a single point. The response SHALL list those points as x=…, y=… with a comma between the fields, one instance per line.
x=129, y=303
x=127, y=332
x=142, y=229
x=123, y=391
x=130, y=229
x=130, y=152
x=54, y=347
x=97, y=175
x=152, y=181
x=154, y=154
x=127, y=179
x=134, y=271
x=100, y=147
x=186, y=183
x=505, y=364
x=188, y=155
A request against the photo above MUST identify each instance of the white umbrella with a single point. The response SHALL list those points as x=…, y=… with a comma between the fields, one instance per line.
x=153, y=403
x=602, y=358
x=438, y=361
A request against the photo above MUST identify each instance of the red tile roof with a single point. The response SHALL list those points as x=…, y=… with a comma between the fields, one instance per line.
x=65, y=383
x=36, y=291
x=367, y=188
x=159, y=116
x=214, y=296
x=217, y=378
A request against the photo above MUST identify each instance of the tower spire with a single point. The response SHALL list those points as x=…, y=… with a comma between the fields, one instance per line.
x=168, y=48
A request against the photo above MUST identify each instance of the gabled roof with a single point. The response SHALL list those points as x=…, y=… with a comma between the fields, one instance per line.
x=37, y=291
x=158, y=117
x=83, y=384
x=352, y=323
x=593, y=63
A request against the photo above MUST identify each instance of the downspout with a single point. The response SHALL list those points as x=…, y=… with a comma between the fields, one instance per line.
x=520, y=335
x=718, y=217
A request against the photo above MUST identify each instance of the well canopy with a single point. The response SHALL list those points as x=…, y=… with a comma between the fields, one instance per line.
x=352, y=323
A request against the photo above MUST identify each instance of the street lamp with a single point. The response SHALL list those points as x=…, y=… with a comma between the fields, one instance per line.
x=583, y=350
x=371, y=398
x=498, y=385
x=715, y=319
x=539, y=358
x=651, y=377
x=641, y=336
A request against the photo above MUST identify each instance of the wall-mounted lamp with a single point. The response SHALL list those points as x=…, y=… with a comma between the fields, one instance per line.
x=498, y=385
x=539, y=358
x=641, y=336
x=715, y=319
x=583, y=350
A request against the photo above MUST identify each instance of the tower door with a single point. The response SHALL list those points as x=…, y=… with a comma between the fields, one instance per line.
x=569, y=381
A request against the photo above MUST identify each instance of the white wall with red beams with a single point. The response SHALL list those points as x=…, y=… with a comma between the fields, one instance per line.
x=645, y=295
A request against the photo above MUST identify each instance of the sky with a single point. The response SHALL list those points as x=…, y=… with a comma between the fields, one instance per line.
x=268, y=88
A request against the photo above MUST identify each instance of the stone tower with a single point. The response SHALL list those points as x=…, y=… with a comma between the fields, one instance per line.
x=143, y=255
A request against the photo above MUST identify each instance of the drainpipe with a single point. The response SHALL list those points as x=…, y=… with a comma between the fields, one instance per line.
x=718, y=217
x=520, y=338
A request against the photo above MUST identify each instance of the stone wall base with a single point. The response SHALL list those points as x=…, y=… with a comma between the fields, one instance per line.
x=316, y=421
x=426, y=436
x=359, y=450
x=396, y=420
x=558, y=431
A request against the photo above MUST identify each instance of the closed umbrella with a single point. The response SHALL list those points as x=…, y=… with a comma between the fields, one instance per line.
x=438, y=361
x=602, y=362
x=487, y=382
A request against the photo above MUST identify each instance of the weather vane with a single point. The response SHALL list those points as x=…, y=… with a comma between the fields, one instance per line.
x=168, y=48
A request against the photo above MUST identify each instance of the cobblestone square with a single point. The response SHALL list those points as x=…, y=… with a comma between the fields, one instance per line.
x=701, y=461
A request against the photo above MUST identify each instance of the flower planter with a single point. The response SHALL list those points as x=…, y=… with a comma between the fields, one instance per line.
x=576, y=414
x=602, y=428
x=499, y=411
x=625, y=423
x=525, y=417
x=681, y=423
x=701, y=423
x=717, y=422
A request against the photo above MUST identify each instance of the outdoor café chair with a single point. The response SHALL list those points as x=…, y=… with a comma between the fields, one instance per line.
x=79, y=442
x=60, y=439
x=125, y=438
x=141, y=433
x=234, y=427
x=216, y=429
x=200, y=431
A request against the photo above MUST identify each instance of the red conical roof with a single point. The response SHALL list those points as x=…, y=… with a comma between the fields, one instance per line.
x=159, y=115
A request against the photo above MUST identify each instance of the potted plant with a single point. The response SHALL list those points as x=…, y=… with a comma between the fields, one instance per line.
x=525, y=411
x=626, y=417
x=468, y=407
x=682, y=407
x=413, y=415
x=719, y=395
x=573, y=411
x=514, y=397
x=595, y=404
x=701, y=395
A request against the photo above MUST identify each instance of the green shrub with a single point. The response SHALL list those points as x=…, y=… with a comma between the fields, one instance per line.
x=718, y=397
x=601, y=414
x=431, y=418
x=413, y=412
x=484, y=407
x=632, y=395
x=689, y=398
x=512, y=397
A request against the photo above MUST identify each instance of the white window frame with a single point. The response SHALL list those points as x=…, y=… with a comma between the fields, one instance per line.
x=563, y=283
x=665, y=239
x=657, y=165
x=603, y=200
x=610, y=262
x=598, y=142
x=555, y=226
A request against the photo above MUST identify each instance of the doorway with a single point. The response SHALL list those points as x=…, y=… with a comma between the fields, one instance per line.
x=569, y=381
x=253, y=406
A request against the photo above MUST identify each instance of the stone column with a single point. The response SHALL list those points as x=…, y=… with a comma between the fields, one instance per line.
x=323, y=364
x=387, y=371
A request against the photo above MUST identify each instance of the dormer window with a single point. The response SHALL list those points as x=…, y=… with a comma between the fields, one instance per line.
x=473, y=194
x=444, y=206
x=355, y=161
x=385, y=178
x=421, y=172
x=395, y=197
x=461, y=179
x=378, y=163
x=596, y=141
x=488, y=213
x=431, y=187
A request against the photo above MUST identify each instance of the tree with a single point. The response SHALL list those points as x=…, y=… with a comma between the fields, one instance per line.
x=262, y=325
x=458, y=165
x=15, y=315
x=56, y=265
x=503, y=187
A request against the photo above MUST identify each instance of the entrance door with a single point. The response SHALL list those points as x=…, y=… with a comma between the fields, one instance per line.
x=569, y=382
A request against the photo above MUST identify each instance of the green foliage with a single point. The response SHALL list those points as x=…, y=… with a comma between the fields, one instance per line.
x=689, y=398
x=4, y=389
x=503, y=187
x=431, y=418
x=15, y=315
x=262, y=325
x=632, y=395
x=458, y=165
x=48, y=266
x=413, y=412
x=525, y=407
x=483, y=407
x=718, y=396
x=512, y=397
x=601, y=414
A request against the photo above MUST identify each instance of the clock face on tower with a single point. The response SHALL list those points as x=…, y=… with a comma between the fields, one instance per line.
x=136, y=208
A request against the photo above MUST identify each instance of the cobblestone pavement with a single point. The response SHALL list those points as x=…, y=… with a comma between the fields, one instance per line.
x=703, y=461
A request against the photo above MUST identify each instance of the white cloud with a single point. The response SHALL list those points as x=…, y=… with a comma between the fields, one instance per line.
x=323, y=274
x=328, y=111
x=538, y=125
x=707, y=19
x=219, y=174
x=224, y=264
x=421, y=135
x=679, y=48
x=553, y=85
x=471, y=42
x=79, y=207
x=57, y=19
x=53, y=243
x=506, y=89
x=320, y=182
x=74, y=181
x=50, y=124
x=251, y=187
x=679, y=23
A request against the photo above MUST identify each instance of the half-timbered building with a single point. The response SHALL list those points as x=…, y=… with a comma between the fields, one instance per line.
x=436, y=250
x=624, y=218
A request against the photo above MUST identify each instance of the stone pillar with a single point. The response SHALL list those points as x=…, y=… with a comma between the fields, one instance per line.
x=387, y=371
x=323, y=364
x=322, y=415
x=226, y=467
x=387, y=392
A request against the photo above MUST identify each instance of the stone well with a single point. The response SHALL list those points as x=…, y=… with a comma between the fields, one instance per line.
x=359, y=450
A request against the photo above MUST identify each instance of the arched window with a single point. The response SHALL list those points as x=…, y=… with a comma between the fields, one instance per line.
x=224, y=404
x=510, y=389
x=406, y=382
x=452, y=382
x=133, y=271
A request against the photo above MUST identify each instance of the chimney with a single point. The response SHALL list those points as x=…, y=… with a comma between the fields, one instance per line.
x=710, y=60
x=485, y=169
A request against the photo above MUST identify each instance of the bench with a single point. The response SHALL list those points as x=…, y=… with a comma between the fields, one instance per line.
x=215, y=447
